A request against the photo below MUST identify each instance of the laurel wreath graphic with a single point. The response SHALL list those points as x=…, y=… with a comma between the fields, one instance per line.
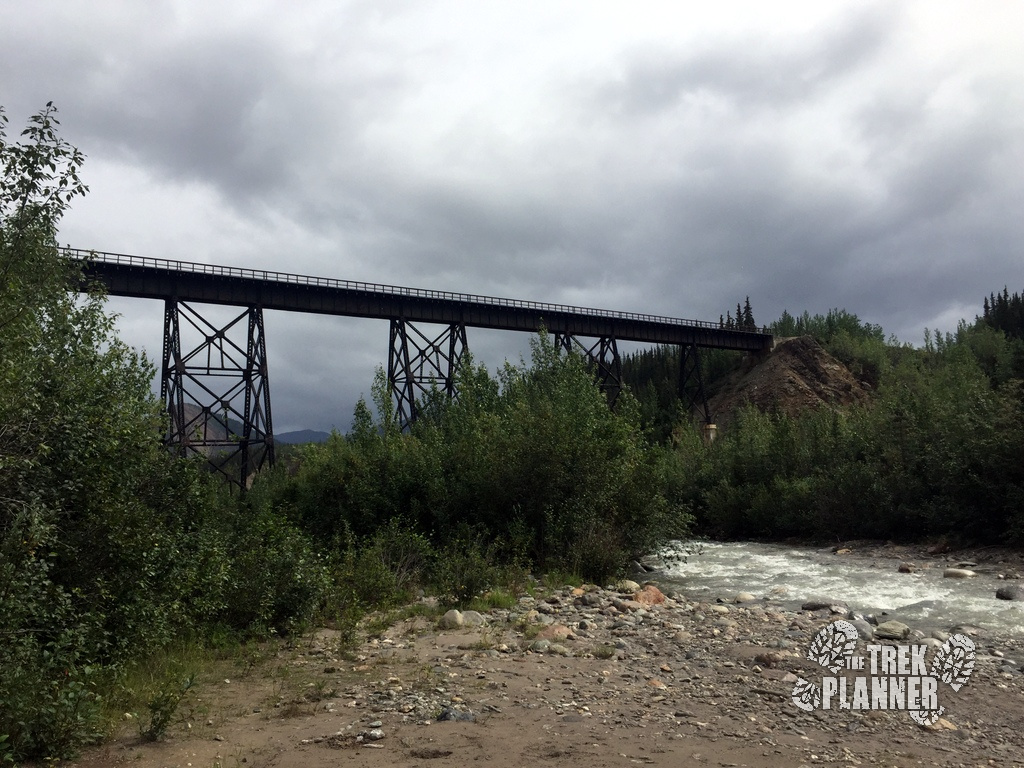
x=834, y=644
x=830, y=648
x=954, y=661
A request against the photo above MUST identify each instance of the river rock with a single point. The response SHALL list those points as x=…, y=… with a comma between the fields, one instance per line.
x=820, y=604
x=555, y=632
x=1012, y=592
x=906, y=568
x=627, y=586
x=472, y=619
x=649, y=595
x=865, y=630
x=892, y=630
x=744, y=597
x=451, y=620
x=626, y=606
x=958, y=573
x=454, y=715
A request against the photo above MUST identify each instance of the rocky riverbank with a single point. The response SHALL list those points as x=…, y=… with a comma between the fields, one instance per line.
x=600, y=676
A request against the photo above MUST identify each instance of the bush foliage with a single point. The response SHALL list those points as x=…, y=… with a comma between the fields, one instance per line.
x=529, y=467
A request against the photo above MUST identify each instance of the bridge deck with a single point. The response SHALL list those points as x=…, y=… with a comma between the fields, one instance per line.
x=140, y=277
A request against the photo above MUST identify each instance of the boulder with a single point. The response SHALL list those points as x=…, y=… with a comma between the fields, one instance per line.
x=626, y=606
x=865, y=630
x=451, y=620
x=627, y=586
x=472, y=619
x=649, y=595
x=892, y=630
x=555, y=632
x=745, y=597
x=1010, y=592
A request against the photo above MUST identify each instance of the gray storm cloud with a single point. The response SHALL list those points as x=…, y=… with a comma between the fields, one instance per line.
x=673, y=161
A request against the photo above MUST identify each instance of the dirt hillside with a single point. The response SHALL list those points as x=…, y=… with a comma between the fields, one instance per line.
x=796, y=376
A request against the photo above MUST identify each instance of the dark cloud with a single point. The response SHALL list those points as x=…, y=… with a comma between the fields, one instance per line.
x=857, y=159
x=748, y=72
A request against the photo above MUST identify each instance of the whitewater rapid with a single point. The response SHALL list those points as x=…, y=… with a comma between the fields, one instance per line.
x=869, y=585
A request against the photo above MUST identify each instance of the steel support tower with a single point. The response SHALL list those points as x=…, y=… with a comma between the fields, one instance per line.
x=215, y=388
x=420, y=363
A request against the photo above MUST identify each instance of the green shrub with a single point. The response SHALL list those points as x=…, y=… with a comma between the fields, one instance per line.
x=462, y=571
x=275, y=581
x=49, y=706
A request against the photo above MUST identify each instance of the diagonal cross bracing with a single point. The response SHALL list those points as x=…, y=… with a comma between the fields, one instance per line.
x=691, y=383
x=418, y=363
x=415, y=360
x=216, y=390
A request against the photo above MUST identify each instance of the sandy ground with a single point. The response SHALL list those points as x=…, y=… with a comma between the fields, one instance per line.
x=587, y=677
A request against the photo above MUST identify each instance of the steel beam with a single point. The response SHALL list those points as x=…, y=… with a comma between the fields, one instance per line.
x=204, y=283
x=419, y=363
x=216, y=390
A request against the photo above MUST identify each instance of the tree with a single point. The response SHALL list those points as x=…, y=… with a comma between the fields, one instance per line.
x=748, y=316
x=109, y=547
x=87, y=497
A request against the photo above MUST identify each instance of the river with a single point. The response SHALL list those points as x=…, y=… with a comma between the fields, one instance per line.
x=869, y=585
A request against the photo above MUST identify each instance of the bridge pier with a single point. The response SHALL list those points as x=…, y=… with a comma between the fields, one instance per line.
x=603, y=358
x=691, y=387
x=216, y=390
x=418, y=362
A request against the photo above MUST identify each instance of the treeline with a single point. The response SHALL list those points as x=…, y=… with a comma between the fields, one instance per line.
x=1004, y=313
x=935, y=453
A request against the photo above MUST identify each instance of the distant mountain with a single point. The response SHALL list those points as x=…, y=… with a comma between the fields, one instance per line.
x=302, y=436
x=212, y=428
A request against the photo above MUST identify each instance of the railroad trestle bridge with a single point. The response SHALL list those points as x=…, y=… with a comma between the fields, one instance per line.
x=217, y=392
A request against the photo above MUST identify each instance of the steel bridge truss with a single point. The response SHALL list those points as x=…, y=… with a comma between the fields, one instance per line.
x=691, y=383
x=602, y=357
x=420, y=364
x=215, y=388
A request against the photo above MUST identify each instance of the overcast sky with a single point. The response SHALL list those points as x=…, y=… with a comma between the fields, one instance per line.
x=661, y=157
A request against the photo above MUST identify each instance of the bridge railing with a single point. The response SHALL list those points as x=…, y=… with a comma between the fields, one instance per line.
x=354, y=285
